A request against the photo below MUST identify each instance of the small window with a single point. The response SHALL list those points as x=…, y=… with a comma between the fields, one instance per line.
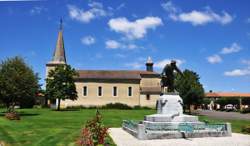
x=148, y=96
x=129, y=91
x=84, y=91
x=99, y=91
x=114, y=91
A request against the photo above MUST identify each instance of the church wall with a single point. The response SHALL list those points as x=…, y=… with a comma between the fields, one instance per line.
x=151, y=102
x=93, y=99
x=150, y=82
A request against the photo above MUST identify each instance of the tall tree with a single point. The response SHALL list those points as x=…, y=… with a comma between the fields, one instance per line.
x=18, y=82
x=60, y=84
x=189, y=88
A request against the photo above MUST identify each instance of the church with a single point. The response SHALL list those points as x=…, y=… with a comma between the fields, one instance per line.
x=100, y=87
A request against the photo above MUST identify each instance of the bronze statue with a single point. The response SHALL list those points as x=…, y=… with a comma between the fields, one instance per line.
x=167, y=76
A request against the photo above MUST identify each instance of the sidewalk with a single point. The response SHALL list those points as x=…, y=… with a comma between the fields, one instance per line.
x=122, y=138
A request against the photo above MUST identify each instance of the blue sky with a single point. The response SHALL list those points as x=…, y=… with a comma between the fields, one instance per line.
x=209, y=37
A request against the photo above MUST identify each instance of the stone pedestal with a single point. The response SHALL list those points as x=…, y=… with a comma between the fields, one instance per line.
x=170, y=122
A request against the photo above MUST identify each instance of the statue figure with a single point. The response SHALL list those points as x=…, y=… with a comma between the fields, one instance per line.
x=167, y=76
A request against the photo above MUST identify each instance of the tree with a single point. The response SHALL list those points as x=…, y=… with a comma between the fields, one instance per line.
x=190, y=88
x=60, y=84
x=18, y=83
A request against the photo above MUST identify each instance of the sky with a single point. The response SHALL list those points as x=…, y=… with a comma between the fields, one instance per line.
x=211, y=38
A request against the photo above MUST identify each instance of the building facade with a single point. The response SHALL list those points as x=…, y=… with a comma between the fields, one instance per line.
x=100, y=87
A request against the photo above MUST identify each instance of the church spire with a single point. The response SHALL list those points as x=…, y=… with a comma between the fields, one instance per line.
x=59, y=53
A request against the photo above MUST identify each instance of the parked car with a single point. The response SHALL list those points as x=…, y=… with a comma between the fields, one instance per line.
x=229, y=107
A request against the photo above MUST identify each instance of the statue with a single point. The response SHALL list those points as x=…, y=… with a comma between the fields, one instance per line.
x=167, y=76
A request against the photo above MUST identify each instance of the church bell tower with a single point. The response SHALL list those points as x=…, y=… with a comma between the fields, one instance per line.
x=149, y=64
x=59, y=52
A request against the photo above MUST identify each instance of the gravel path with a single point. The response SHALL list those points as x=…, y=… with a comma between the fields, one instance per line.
x=122, y=138
x=224, y=115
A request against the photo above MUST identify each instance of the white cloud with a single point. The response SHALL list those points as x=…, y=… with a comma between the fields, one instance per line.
x=196, y=17
x=135, y=65
x=88, y=40
x=96, y=10
x=120, y=55
x=214, y=59
x=161, y=64
x=113, y=44
x=247, y=62
x=170, y=7
x=37, y=10
x=134, y=29
x=203, y=17
x=237, y=72
x=248, y=20
x=232, y=49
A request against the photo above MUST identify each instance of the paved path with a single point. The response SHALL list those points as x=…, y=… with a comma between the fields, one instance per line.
x=224, y=115
x=122, y=138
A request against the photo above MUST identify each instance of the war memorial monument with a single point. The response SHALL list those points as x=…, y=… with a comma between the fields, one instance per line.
x=170, y=122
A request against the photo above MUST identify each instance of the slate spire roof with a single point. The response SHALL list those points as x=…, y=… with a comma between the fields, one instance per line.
x=59, y=53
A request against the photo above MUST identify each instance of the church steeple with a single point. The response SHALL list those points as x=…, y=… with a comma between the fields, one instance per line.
x=59, y=53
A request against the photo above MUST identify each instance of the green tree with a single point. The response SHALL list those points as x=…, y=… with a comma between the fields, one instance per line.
x=18, y=83
x=189, y=88
x=60, y=84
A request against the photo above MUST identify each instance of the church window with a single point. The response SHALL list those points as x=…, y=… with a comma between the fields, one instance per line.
x=148, y=96
x=129, y=91
x=114, y=91
x=85, y=90
x=99, y=91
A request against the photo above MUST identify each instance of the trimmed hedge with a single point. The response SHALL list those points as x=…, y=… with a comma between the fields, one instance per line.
x=109, y=106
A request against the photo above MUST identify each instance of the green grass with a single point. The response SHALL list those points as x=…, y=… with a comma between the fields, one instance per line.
x=46, y=127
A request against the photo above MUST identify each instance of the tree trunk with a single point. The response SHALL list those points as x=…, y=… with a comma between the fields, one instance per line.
x=189, y=108
x=59, y=102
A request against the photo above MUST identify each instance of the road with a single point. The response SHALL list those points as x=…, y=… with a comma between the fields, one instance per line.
x=224, y=115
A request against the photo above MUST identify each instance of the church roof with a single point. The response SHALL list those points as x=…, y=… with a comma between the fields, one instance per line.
x=114, y=74
x=59, y=53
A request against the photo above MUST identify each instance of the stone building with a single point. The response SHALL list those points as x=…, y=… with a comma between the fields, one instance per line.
x=100, y=87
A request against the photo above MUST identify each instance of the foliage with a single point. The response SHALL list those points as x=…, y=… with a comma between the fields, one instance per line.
x=245, y=110
x=12, y=116
x=18, y=83
x=245, y=129
x=94, y=133
x=189, y=88
x=225, y=101
x=116, y=106
x=245, y=101
x=60, y=84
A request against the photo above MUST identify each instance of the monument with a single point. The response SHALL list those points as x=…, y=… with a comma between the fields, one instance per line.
x=170, y=122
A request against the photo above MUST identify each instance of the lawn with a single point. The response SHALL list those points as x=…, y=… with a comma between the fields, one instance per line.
x=46, y=127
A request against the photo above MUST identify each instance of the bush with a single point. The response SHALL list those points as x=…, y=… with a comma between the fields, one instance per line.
x=245, y=129
x=116, y=106
x=94, y=133
x=12, y=116
x=245, y=110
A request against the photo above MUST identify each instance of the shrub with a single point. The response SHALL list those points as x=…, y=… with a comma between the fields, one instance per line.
x=12, y=116
x=245, y=129
x=94, y=133
x=245, y=110
x=116, y=106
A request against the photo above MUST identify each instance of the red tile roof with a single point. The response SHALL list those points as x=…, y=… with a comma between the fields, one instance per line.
x=113, y=74
x=227, y=94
